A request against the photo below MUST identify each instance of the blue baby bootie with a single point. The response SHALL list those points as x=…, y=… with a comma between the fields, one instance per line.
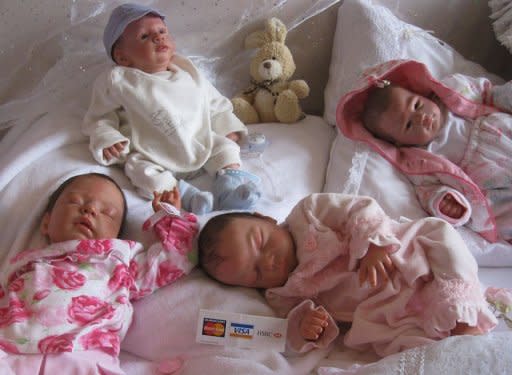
x=235, y=189
x=194, y=200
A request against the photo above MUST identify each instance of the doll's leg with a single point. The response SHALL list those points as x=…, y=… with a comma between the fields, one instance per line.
x=454, y=302
x=233, y=188
x=195, y=200
x=149, y=177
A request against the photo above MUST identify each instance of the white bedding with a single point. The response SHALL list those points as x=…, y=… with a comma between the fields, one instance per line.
x=45, y=147
x=34, y=163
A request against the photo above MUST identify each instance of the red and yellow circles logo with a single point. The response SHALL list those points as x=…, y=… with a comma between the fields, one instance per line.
x=214, y=327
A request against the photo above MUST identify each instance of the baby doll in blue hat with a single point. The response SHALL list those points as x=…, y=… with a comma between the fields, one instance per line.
x=156, y=114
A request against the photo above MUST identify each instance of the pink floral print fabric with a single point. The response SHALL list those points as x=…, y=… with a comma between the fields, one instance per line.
x=76, y=295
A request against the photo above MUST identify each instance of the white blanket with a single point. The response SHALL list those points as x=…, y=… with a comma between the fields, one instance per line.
x=35, y=160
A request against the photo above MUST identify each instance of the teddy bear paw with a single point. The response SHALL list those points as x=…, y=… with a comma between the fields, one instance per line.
x=245, y=111
x=287, y=108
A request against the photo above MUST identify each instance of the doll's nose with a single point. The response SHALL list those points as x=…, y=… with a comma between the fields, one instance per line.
x=157, y=37
x=88, y=209
x=417, y=118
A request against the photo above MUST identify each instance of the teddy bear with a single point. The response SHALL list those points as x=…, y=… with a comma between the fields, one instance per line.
x=272, y=96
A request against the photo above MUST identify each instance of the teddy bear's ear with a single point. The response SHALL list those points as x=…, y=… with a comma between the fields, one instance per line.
x=256, y=39
x=276, y=30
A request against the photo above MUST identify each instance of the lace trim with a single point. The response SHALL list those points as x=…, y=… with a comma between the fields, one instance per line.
x=453, y=292
x=409, y=33
x=412, y=362
x=356, y=171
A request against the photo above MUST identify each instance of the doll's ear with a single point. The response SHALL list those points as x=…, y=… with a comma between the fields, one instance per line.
x=120, y=57
x=43, y=227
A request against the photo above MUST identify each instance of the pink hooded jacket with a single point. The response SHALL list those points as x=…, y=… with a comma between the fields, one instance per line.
x=419, y=165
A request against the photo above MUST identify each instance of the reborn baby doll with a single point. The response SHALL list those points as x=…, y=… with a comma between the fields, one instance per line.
x=155, y=113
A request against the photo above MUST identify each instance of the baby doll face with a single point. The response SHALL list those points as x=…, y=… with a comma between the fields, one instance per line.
x=410, y=119
x=255, y=252
x=146, y=45
x=90, y=207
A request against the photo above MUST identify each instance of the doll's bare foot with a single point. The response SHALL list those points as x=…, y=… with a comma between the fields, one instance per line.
x=464, y=329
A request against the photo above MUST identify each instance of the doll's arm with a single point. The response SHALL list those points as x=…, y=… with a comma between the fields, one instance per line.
x=171, y=256
x=171, y=197
x=148, y=176
x=310, y=327
x=313, y=323
x=234, y=136
x=445, y=202
x=223, y=119
x=481, y=90
x=376, y=266
x=114, y=152
x=359, y=220
x=101, y=125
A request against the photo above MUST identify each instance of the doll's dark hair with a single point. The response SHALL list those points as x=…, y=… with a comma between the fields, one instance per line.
x=376, y=104
x=56, y=194
x=208, y=259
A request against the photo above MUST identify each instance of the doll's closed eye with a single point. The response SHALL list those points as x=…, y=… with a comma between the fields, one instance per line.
x=109, y=211
x=74, y=199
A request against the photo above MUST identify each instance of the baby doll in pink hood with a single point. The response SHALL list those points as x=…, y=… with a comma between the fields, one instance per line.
x=451, y=138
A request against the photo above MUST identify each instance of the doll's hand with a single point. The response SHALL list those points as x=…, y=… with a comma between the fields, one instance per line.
x=375, y=265
x=451, y=208
x=172, y=197
x=114, y=150
x=313, y=324
x=234, y=136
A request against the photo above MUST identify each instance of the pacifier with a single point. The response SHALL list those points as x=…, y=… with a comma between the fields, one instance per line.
x=253, y=144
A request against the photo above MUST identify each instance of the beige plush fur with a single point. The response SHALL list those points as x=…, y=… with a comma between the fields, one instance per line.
x=272, y=96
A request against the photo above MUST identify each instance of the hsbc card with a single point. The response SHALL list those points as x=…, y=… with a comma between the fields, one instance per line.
x=241, y=330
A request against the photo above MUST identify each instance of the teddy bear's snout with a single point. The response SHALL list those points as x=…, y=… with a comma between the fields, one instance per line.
x=270, y=69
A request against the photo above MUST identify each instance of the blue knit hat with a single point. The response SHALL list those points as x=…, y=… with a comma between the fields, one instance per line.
x=121, y=17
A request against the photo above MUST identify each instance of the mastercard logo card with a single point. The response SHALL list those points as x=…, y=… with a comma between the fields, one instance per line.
x=241, y=330
x=214, y=327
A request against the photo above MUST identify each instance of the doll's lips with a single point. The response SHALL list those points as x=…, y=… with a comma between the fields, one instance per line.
x=85, y=223
x=162, y=48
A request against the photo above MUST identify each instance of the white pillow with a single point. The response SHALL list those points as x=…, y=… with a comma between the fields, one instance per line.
x=367, y=35
x=356, y=169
